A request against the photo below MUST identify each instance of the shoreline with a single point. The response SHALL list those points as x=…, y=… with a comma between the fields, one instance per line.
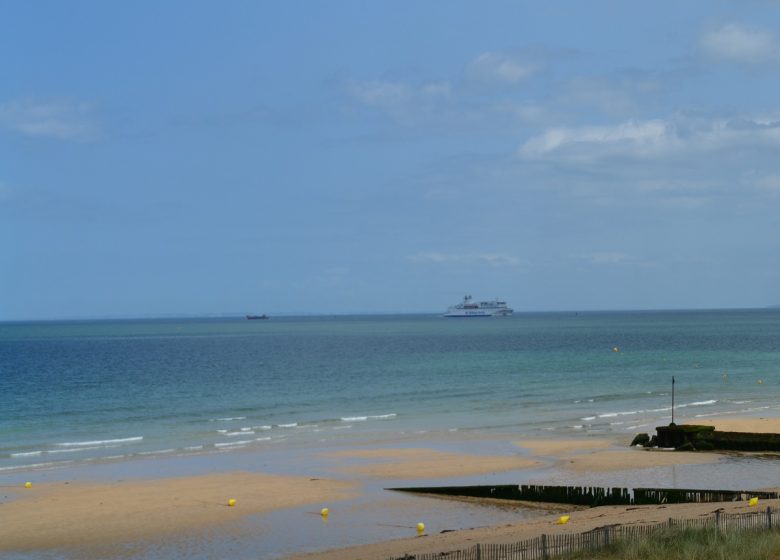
x=132, y=505
x=581, y=520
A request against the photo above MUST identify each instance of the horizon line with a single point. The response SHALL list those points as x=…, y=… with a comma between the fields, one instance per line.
x=288, y=314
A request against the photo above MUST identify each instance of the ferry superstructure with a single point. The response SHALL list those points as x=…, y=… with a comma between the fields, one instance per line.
x=470, y=308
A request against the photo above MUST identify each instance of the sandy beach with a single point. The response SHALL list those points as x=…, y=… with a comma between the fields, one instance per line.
x=428, y=463
x=768, y=425
x=63, y=515
x=76, y=515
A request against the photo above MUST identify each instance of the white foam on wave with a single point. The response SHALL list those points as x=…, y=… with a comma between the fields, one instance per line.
x=78, y=449
x=263, y=438
x=701, y=403
x=222, y=431
x=290, y=425
x=233, y=443
x=588, y=418
x=158, y=452
x=577, y=426
x=242, y=433
x=36, y=465
x=193, y=448
x=724, y=412
x=369, y=417
x=263, y=427
x=100, y=442
x=228, y=419
x=342, y=427
x=25, y=454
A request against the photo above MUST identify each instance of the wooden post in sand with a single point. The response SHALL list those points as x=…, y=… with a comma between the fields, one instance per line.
x=768, y=517
x=673, y=399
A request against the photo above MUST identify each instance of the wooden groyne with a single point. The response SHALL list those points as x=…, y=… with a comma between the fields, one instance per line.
x=591, y=495
x=706, y=438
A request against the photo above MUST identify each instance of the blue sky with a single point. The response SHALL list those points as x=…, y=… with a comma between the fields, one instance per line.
x=287, y=157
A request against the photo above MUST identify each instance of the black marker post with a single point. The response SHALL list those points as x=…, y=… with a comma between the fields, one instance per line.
x=673, y=399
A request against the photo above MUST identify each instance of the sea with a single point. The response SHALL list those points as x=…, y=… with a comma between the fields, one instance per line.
x=83, y=392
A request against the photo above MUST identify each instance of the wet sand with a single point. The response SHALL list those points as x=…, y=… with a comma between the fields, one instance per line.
x=552, y=447
x=602, y=455
x=580, y=520
x=428, y=463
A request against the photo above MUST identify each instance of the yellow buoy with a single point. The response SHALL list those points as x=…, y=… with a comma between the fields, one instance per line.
x=420, y=528
x=760, y=381
x=563, y=520
x=231, y=502
x=753, y=502
x=28, y=484
x=324, y=512
x=616, y=349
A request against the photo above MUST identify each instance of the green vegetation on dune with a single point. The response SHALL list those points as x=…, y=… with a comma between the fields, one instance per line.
x=691, y=544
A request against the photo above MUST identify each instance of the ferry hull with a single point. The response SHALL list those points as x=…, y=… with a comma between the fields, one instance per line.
x=469, y=308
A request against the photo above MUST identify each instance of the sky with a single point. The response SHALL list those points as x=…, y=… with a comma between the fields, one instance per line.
x=189, y=157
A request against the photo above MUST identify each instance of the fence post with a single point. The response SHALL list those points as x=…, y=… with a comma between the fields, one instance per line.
x=717, y=521
x=479, y=552
x=544, y=547
x=768, y=517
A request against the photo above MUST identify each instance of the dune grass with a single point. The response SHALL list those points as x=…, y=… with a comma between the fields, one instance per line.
x=692, y=544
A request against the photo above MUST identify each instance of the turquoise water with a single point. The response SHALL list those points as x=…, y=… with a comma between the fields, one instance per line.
x=80, y=392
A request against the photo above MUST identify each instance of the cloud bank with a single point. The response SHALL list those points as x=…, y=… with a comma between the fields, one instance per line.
x=53, y=119
x=739, y=44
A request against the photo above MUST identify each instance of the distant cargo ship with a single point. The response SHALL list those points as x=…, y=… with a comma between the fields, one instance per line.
x=470, y=308
x=252, y=317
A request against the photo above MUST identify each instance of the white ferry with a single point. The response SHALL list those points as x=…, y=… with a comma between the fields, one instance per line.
x=470, y=308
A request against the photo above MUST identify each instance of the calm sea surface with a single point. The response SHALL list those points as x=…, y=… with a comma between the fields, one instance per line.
x=80, y=392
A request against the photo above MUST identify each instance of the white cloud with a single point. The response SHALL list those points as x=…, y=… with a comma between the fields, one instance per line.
x=621, y=93
x=405, y=102
x=442, y=89
x=768, y=183
x=492, y=259
x=736, y=43
x=492, y=67
x=54, y=119
x=652, y=139
x=380, y=94
x=589, y=142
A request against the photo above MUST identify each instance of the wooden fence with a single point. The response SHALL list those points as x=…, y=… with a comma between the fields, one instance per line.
x=548, y=546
